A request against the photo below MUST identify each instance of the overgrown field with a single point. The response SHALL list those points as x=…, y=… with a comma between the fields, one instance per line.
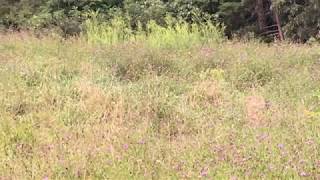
x=70, y=109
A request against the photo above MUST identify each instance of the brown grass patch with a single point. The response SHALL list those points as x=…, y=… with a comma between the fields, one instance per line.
x=93, y=98
x=255, y=107
x=207, y=52
x=207, y=92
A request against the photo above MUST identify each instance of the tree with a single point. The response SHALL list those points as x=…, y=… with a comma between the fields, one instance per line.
x=301, y=18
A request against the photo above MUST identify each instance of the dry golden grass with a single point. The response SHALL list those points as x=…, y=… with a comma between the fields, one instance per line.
x=235, y=110
x=255, y=108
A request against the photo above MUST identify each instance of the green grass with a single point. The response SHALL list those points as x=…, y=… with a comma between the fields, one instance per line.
x=70, y=109
x=178, y=34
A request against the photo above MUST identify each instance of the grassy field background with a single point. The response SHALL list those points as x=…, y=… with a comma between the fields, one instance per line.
x=75, y=109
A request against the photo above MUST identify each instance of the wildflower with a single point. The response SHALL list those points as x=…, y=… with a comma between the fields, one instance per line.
x=280, y=146
x=262, y=137
x=304, y=174
x=204, y=172
x=141, y=141
x=125, y=146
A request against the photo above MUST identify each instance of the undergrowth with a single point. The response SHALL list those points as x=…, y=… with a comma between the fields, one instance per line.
x=177, y=34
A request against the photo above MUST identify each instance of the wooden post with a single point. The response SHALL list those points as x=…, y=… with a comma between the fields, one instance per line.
x=276, y=15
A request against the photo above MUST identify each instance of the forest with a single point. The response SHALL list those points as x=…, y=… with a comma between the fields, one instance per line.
x=296, y=20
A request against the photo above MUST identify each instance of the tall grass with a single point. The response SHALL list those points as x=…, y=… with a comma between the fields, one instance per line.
x=70, y=109
x=177, y=33
x=113, y=32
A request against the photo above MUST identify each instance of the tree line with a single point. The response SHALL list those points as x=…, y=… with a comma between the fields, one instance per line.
x=297, y=20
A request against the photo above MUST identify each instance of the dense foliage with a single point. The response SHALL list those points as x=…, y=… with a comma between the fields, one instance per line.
x=300, y=19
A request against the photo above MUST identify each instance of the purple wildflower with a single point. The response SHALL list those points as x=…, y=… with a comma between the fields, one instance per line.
x=125, y=146
x=304, y=174
x=280, y=146
x=141, y=141
x=204, y=172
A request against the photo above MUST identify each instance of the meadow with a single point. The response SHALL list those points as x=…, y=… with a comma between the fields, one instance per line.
x=175, y=104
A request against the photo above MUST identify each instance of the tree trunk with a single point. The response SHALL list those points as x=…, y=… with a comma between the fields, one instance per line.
x=261, y=14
